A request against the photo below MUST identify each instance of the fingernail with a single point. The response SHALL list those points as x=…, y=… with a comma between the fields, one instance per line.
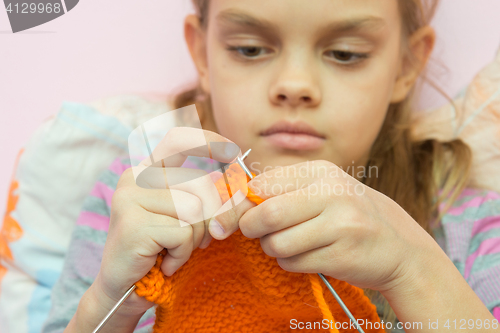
x=231, y=150
x=215, y=228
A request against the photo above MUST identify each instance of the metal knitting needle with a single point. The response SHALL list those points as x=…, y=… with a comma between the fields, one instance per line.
x=242, y=164
x=341, y=303
x=337, y=297
x=113, y=310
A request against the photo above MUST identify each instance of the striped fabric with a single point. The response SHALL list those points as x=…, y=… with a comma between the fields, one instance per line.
x=469, y=233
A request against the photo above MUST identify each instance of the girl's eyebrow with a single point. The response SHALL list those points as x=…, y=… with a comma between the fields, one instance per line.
x=231, y=16
x=236, y=17
x=355, y=24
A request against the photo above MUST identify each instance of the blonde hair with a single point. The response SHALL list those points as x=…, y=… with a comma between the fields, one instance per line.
x=410, y=172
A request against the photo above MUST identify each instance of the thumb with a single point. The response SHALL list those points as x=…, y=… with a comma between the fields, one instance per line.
x=226, y=220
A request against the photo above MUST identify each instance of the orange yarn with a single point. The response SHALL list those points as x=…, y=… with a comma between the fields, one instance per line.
x=233, y=286
x=318, y=294
x=11, y=231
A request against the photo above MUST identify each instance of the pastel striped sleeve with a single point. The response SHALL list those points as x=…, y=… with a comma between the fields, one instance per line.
x=83, y=259
x=469, y=233
x=482, y=266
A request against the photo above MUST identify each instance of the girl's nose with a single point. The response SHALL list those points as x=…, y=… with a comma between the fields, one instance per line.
x=295, y=89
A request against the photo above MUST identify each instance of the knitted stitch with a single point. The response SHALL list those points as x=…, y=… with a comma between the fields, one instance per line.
x=233, y=286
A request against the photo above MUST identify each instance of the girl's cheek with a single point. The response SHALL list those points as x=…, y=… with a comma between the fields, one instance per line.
x=358, y=110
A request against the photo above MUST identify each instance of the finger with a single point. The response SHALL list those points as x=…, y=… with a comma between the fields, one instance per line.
x=283, y=211
x=293, y=177
x=196, y=182
x=314, y=261
x=162, y=202
x=207, y=237
x=215, y=175
x=149, y=235
x=225, y=220
x=127, y=178
x=203, y=187
x=157, y=178
x=188, y=210
x=162, y=178
x=168, y=233
x=181, y=142
x=306, y=236
x=206, y=191
x=177, y=257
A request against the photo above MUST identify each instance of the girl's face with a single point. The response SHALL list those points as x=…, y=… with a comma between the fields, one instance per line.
x=331, y=64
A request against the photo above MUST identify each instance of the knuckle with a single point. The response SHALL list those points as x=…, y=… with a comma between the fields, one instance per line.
x=266, y=178
x=360, y=226
x=125, y=227
x=122, y=195
x=246, y=228
x=125, y=177
x=186, y=235
x=275, y=247
x=324, y=163
x=165, y=195
x=227, y=218
x=194, y=206
x=172, y=135
x=354, y=216
x=272, y=213
x=322, y=168
x=287, y=264
x=357, y=210
x=127, y=173
x=191, y=209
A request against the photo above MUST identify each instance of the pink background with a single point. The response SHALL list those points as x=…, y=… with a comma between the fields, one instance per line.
x=102, y=48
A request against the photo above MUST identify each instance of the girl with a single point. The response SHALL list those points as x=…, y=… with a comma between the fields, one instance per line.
x=323, y=81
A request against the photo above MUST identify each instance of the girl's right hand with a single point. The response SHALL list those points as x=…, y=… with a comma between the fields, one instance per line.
x=144, y=219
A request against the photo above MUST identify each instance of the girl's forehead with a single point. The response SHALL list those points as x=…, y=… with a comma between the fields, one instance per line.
x=319, y=15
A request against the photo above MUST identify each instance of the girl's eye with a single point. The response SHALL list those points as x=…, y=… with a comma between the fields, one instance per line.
x=247, y=51
x=346, y=57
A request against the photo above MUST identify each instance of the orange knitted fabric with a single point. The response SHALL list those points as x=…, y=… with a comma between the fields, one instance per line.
x=233, y=286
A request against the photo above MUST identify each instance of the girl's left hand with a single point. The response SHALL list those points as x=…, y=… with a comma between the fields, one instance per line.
x=319, y=219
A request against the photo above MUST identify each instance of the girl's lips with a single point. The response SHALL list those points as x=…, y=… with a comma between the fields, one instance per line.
x=295, y=141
